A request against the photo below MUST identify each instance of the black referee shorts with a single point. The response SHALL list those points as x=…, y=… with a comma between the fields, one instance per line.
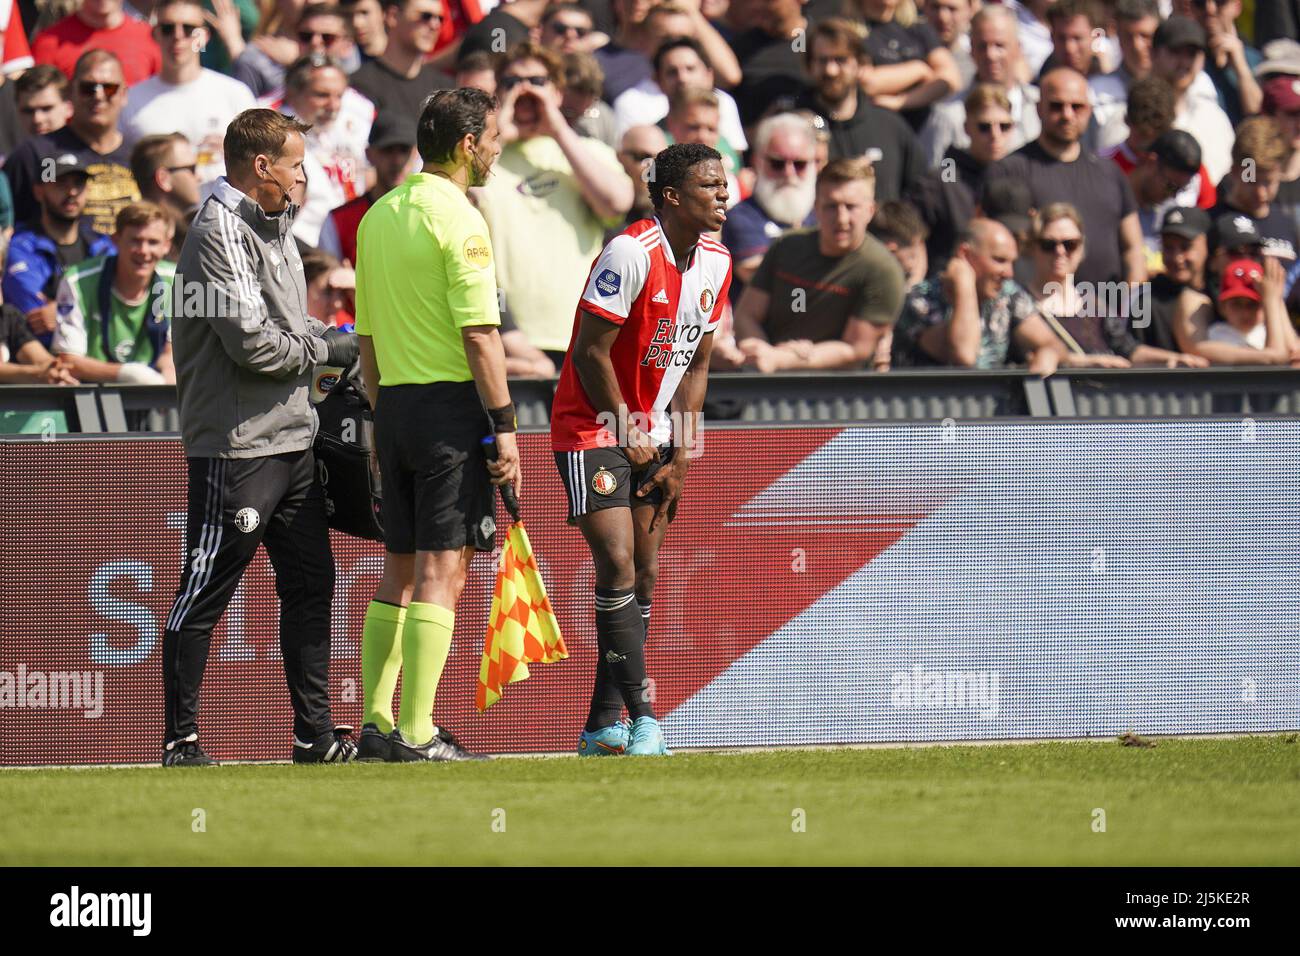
x=600, y=478
x=437, y=491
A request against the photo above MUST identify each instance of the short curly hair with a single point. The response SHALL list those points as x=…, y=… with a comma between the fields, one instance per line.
x=671, y=167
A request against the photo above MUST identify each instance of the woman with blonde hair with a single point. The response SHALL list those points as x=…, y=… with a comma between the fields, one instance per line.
x=1093, y=321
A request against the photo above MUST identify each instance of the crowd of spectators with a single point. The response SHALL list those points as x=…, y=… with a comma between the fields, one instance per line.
x=912, y=183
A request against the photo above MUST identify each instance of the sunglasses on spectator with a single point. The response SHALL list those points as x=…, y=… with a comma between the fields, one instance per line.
x=987, y=128
x=1071, y=246
x=778, y=165
x=1058, y=106
x=175, y=29
x=88, y=89
x=510, y=82
x=427, y=16
x=563, y=29
x=308, y=36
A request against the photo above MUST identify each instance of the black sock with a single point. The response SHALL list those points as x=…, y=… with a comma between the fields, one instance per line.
x=621, y=635
x=606, y=701
x=644, y=605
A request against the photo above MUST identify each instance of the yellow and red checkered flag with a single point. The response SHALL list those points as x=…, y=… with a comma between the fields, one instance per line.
x=522, y=628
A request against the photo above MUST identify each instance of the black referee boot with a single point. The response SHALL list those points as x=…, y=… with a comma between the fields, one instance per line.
x=334, y=747
x=443, y=747
x=186, y=753
x=375, y=745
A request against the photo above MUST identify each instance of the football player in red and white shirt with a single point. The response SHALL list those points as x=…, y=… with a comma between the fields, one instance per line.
x=625, y=412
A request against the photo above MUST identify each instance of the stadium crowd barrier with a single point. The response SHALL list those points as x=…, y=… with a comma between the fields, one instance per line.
x=822, y=584
x=815, y=398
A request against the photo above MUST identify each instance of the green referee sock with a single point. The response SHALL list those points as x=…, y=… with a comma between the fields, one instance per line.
x=381, y=661
x=426, y=642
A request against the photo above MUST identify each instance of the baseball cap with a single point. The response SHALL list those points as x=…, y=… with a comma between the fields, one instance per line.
x=1009, y=202
x=65, y=164
x=1234, y=229
x=1281, y=94
x=1281, y=57
x=1187, y=222
x=392, y=129
x=1178, y=151
x=1178, y=32
x=1239, y=280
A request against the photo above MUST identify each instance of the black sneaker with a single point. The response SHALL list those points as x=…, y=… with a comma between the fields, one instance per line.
x=186, y=753
x=444, y=746
x=374, y=746
x=334, y=747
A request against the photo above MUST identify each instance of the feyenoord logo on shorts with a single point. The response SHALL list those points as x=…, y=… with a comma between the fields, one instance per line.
x=247, y=519
x=603, y=482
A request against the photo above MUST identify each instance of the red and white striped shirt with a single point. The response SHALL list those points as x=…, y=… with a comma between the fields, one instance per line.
x=662, y=315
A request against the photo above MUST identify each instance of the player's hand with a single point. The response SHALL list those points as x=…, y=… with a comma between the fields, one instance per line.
x=640, y=448
x=668, y=479
x=505, y=470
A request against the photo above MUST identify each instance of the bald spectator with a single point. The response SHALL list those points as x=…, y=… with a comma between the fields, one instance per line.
x=92, y=135
x=1178, y=59
x=785, y=188
x=640, y=146
x=1058, y=169
x=99, y=25
x=947, y=197
x=41, y=96
x=822, y=298
x=400, y=79
x=974, y=315
x=857, y=126
x=184, y=97
x=1230, y=61
x=165, y=168
x=995, y=49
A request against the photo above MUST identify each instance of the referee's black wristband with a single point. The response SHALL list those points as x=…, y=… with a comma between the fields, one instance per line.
x=503, y=418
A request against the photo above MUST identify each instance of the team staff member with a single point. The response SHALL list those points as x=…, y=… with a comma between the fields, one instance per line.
x=641, y=341
x=427, y=318
x=244, y=359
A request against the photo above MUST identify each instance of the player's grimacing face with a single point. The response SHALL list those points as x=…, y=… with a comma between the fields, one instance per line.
x=702, y=196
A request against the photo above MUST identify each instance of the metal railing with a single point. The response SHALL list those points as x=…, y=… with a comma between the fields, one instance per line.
x=808, y=398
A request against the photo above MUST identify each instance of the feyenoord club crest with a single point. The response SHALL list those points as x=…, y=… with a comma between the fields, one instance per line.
x=246, y=519
x=604, y=482
x=706, y=300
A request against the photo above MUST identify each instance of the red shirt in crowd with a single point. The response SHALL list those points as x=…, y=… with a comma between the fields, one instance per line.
x=130, y=40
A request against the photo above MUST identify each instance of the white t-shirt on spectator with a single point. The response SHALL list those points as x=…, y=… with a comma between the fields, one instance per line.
x=199, y=110
x=1256, y=338
x=645, y=105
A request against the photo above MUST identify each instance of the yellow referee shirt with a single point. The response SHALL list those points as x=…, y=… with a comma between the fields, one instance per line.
x=424, y=272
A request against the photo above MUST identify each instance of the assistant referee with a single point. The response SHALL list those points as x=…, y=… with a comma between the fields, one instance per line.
x=427, y=318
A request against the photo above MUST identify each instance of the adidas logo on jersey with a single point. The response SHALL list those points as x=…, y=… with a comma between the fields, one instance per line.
x=661, y=297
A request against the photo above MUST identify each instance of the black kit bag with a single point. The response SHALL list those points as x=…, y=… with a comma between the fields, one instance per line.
x=343, y=445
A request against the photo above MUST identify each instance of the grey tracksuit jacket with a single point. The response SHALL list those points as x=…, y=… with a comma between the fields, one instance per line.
x=242, y=341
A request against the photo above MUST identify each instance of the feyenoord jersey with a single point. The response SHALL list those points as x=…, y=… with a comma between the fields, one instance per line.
x=662, y=314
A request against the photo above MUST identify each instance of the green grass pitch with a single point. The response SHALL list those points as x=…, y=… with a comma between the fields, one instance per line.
x=1184, y=802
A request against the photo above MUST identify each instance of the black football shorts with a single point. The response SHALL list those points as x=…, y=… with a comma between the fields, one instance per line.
x=438, y=495
x=599, y=478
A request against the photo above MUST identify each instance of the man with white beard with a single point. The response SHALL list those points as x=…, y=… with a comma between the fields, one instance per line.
x=785, y=150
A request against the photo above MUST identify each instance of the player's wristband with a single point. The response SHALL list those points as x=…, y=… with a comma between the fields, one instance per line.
x=503, y=418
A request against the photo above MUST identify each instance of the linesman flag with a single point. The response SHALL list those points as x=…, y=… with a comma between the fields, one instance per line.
x=522, y=628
